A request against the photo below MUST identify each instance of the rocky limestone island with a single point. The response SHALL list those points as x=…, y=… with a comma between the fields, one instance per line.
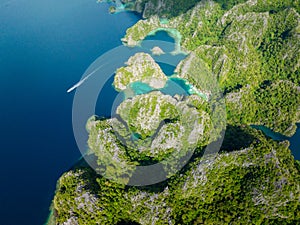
x=112, y=9
x=157, y=51
x=252, y=49
x=172, y=127
x=140, y=67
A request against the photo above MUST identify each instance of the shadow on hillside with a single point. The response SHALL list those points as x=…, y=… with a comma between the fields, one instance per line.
x=236, y=138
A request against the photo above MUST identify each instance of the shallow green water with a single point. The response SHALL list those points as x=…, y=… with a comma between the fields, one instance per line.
x=173, y=86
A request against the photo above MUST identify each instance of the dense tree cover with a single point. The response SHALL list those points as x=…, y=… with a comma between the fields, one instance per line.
x=274, y=105
x=280, y=47
x=199, y=26
x=170, y=8
x=277, y=106
x=229, y=3
x=260, y=40
x=250, y=186
x=253, y=52
x=162, y=8
x=240, y=187
x=266, y=50
x=168, y=132
x=254, y=48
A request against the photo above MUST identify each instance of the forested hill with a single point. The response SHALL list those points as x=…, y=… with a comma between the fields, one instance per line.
x=252, y=50
x=172, y=8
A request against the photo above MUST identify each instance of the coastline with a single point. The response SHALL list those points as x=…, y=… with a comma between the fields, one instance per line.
x=82, y=163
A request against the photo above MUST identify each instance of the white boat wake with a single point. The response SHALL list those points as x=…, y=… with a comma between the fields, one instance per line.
x=84, y=79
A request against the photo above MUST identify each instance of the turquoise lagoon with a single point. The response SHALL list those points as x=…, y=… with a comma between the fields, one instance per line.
x=173, y=86
x=45, y=48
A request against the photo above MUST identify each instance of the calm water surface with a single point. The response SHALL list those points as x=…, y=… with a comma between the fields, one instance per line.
x=45, y=47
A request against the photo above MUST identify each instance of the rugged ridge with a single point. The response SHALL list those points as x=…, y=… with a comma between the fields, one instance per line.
x=140, y=67
x=252, y=50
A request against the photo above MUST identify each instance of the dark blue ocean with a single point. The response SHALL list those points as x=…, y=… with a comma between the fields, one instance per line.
x=45, y=47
